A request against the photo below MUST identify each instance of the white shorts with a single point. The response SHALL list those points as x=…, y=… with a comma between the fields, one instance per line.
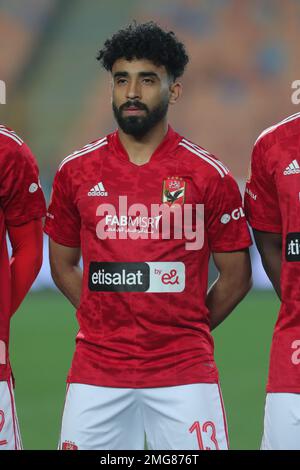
x=181, y=417
x=10, y=438
x=282, y=422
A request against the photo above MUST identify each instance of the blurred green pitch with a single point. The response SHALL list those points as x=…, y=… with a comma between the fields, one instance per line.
x=42, y=344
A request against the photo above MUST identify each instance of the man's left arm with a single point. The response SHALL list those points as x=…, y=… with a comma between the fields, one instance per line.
x=26, y=260
x=231, y=286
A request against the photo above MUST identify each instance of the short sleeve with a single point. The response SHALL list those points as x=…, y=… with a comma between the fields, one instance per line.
x=63, y=219
x=21, y=196
x=224, y=217
x=261, y=201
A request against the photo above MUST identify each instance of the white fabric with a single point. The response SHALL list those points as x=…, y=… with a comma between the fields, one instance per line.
x=10, y=438
x=282, y=422
x=179, y=417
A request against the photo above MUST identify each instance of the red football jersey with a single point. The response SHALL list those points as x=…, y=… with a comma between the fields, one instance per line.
x=21, y=200
x=272, y=202
x=142, y=315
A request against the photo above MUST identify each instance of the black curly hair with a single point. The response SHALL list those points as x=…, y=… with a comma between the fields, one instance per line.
x=145, y=41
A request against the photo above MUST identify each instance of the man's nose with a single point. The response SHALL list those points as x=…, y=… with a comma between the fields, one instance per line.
x=133, y=90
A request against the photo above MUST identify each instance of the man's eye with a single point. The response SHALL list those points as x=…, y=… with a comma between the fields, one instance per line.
x=148, y=80
x=121, y=81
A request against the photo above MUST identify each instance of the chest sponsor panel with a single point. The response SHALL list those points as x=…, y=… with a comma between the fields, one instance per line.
x=137, y=277
x=292, y=247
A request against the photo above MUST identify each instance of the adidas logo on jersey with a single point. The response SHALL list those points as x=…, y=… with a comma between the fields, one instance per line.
x=98, y=190
x=292, y=169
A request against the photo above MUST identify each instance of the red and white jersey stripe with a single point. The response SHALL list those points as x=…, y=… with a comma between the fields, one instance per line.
x=11, y=134
x=87, y=149
x=275, y=126
x=206, y=156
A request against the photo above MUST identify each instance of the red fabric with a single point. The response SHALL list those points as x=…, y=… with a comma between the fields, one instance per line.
x=21, y=200
x=261, y=198
x=143, y=339
x=27, y=257
x=272, y=204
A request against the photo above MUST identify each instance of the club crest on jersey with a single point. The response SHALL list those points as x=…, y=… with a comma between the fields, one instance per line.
x=173, y=191
x=67, y=445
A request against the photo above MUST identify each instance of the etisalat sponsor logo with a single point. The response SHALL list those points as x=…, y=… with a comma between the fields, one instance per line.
x=2, y=92
x=137, y=277
x=179, y=222
x=292, y=248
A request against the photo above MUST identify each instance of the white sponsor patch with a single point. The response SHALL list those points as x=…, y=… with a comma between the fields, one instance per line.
x=167, y=277
x=236, y=214
x=225, y=219
x=33, y=187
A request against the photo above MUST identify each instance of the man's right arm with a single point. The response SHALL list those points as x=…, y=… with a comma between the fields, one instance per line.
x=262, y=209
x=63, y=224
x=65, y=270
x=269, y=246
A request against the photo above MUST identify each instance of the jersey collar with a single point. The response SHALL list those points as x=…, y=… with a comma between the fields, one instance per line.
x=169, y=143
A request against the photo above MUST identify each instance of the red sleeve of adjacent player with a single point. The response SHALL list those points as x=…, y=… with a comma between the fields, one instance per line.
x=63, y=220
x=27, y=257
x=261, y=201
x=21, y=196
x=225, y=222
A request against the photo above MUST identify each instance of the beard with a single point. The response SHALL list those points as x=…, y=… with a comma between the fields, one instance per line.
x=139, y=126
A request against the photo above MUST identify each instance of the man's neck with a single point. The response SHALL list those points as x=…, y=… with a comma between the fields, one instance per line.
x=140, y=150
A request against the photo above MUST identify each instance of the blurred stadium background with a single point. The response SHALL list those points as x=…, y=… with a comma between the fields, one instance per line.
x=243, y=60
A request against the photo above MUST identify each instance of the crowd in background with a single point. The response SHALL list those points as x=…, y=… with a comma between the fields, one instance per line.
x=243, y=60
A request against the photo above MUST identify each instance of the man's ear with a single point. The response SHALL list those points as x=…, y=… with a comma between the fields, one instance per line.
x=175, y=92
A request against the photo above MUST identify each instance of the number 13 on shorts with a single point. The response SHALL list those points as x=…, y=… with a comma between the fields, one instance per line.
x=209, y=436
